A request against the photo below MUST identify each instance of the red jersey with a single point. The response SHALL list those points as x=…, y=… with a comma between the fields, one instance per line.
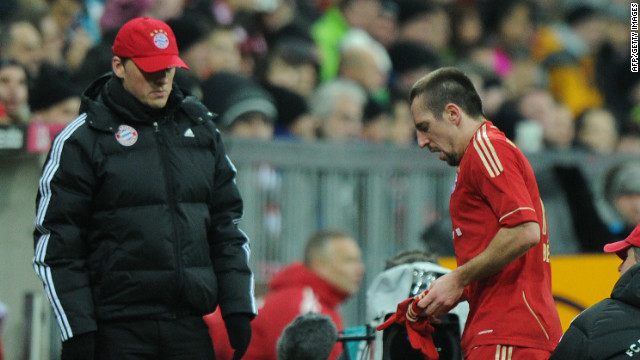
x=495, y=187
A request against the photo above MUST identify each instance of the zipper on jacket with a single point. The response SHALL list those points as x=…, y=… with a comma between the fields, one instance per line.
x=169, y=183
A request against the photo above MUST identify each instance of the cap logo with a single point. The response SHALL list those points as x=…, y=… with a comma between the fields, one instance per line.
x=160, y=39
x=126, y=135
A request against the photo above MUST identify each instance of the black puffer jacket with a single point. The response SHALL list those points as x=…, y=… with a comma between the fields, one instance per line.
x=609, y=329
x=137, y=214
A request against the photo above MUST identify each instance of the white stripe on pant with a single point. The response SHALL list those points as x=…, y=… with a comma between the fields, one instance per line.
x=503, y=352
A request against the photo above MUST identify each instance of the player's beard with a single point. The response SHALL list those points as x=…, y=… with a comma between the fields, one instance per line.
x=453, y=159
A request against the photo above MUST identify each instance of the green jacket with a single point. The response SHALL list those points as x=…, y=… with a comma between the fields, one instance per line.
x=327, y=33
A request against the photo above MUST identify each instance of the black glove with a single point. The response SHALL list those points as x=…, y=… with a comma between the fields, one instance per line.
x=79, y=347
x=239, y=331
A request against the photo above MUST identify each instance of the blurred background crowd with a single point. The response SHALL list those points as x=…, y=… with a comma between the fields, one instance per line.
x=554, y=75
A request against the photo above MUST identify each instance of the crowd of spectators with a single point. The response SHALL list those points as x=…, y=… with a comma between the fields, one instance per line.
x=553, y=75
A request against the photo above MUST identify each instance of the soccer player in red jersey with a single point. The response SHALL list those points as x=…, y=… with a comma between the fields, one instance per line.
x=499, y=227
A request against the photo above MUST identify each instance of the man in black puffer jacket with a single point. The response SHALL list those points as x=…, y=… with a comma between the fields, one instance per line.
x=137, y=216
x=609, y=329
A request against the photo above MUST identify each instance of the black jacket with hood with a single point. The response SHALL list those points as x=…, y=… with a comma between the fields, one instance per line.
x=609, y=329
x=137, y=214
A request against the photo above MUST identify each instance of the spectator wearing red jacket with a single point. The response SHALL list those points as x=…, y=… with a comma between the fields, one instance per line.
x=330, y=273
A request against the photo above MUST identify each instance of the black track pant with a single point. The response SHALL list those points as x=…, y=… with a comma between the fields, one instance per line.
x=179, y=339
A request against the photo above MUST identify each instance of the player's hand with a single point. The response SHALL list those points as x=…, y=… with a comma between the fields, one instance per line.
x=443, y=295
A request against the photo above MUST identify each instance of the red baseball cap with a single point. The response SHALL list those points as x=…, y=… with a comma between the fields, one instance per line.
x=620, y=247
x=150, y=43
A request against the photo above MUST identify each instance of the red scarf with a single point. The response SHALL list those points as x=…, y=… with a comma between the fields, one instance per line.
x=418, y=328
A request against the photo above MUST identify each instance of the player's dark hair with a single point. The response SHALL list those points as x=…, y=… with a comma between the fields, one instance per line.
x=448, y=85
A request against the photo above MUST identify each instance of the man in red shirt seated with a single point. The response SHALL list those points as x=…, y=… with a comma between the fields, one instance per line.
x=330, y=273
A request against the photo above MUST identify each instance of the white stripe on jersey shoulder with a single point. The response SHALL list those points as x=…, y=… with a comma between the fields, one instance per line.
x=487, y=153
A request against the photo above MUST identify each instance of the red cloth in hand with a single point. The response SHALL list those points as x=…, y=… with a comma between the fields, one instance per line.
x=418, y=328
